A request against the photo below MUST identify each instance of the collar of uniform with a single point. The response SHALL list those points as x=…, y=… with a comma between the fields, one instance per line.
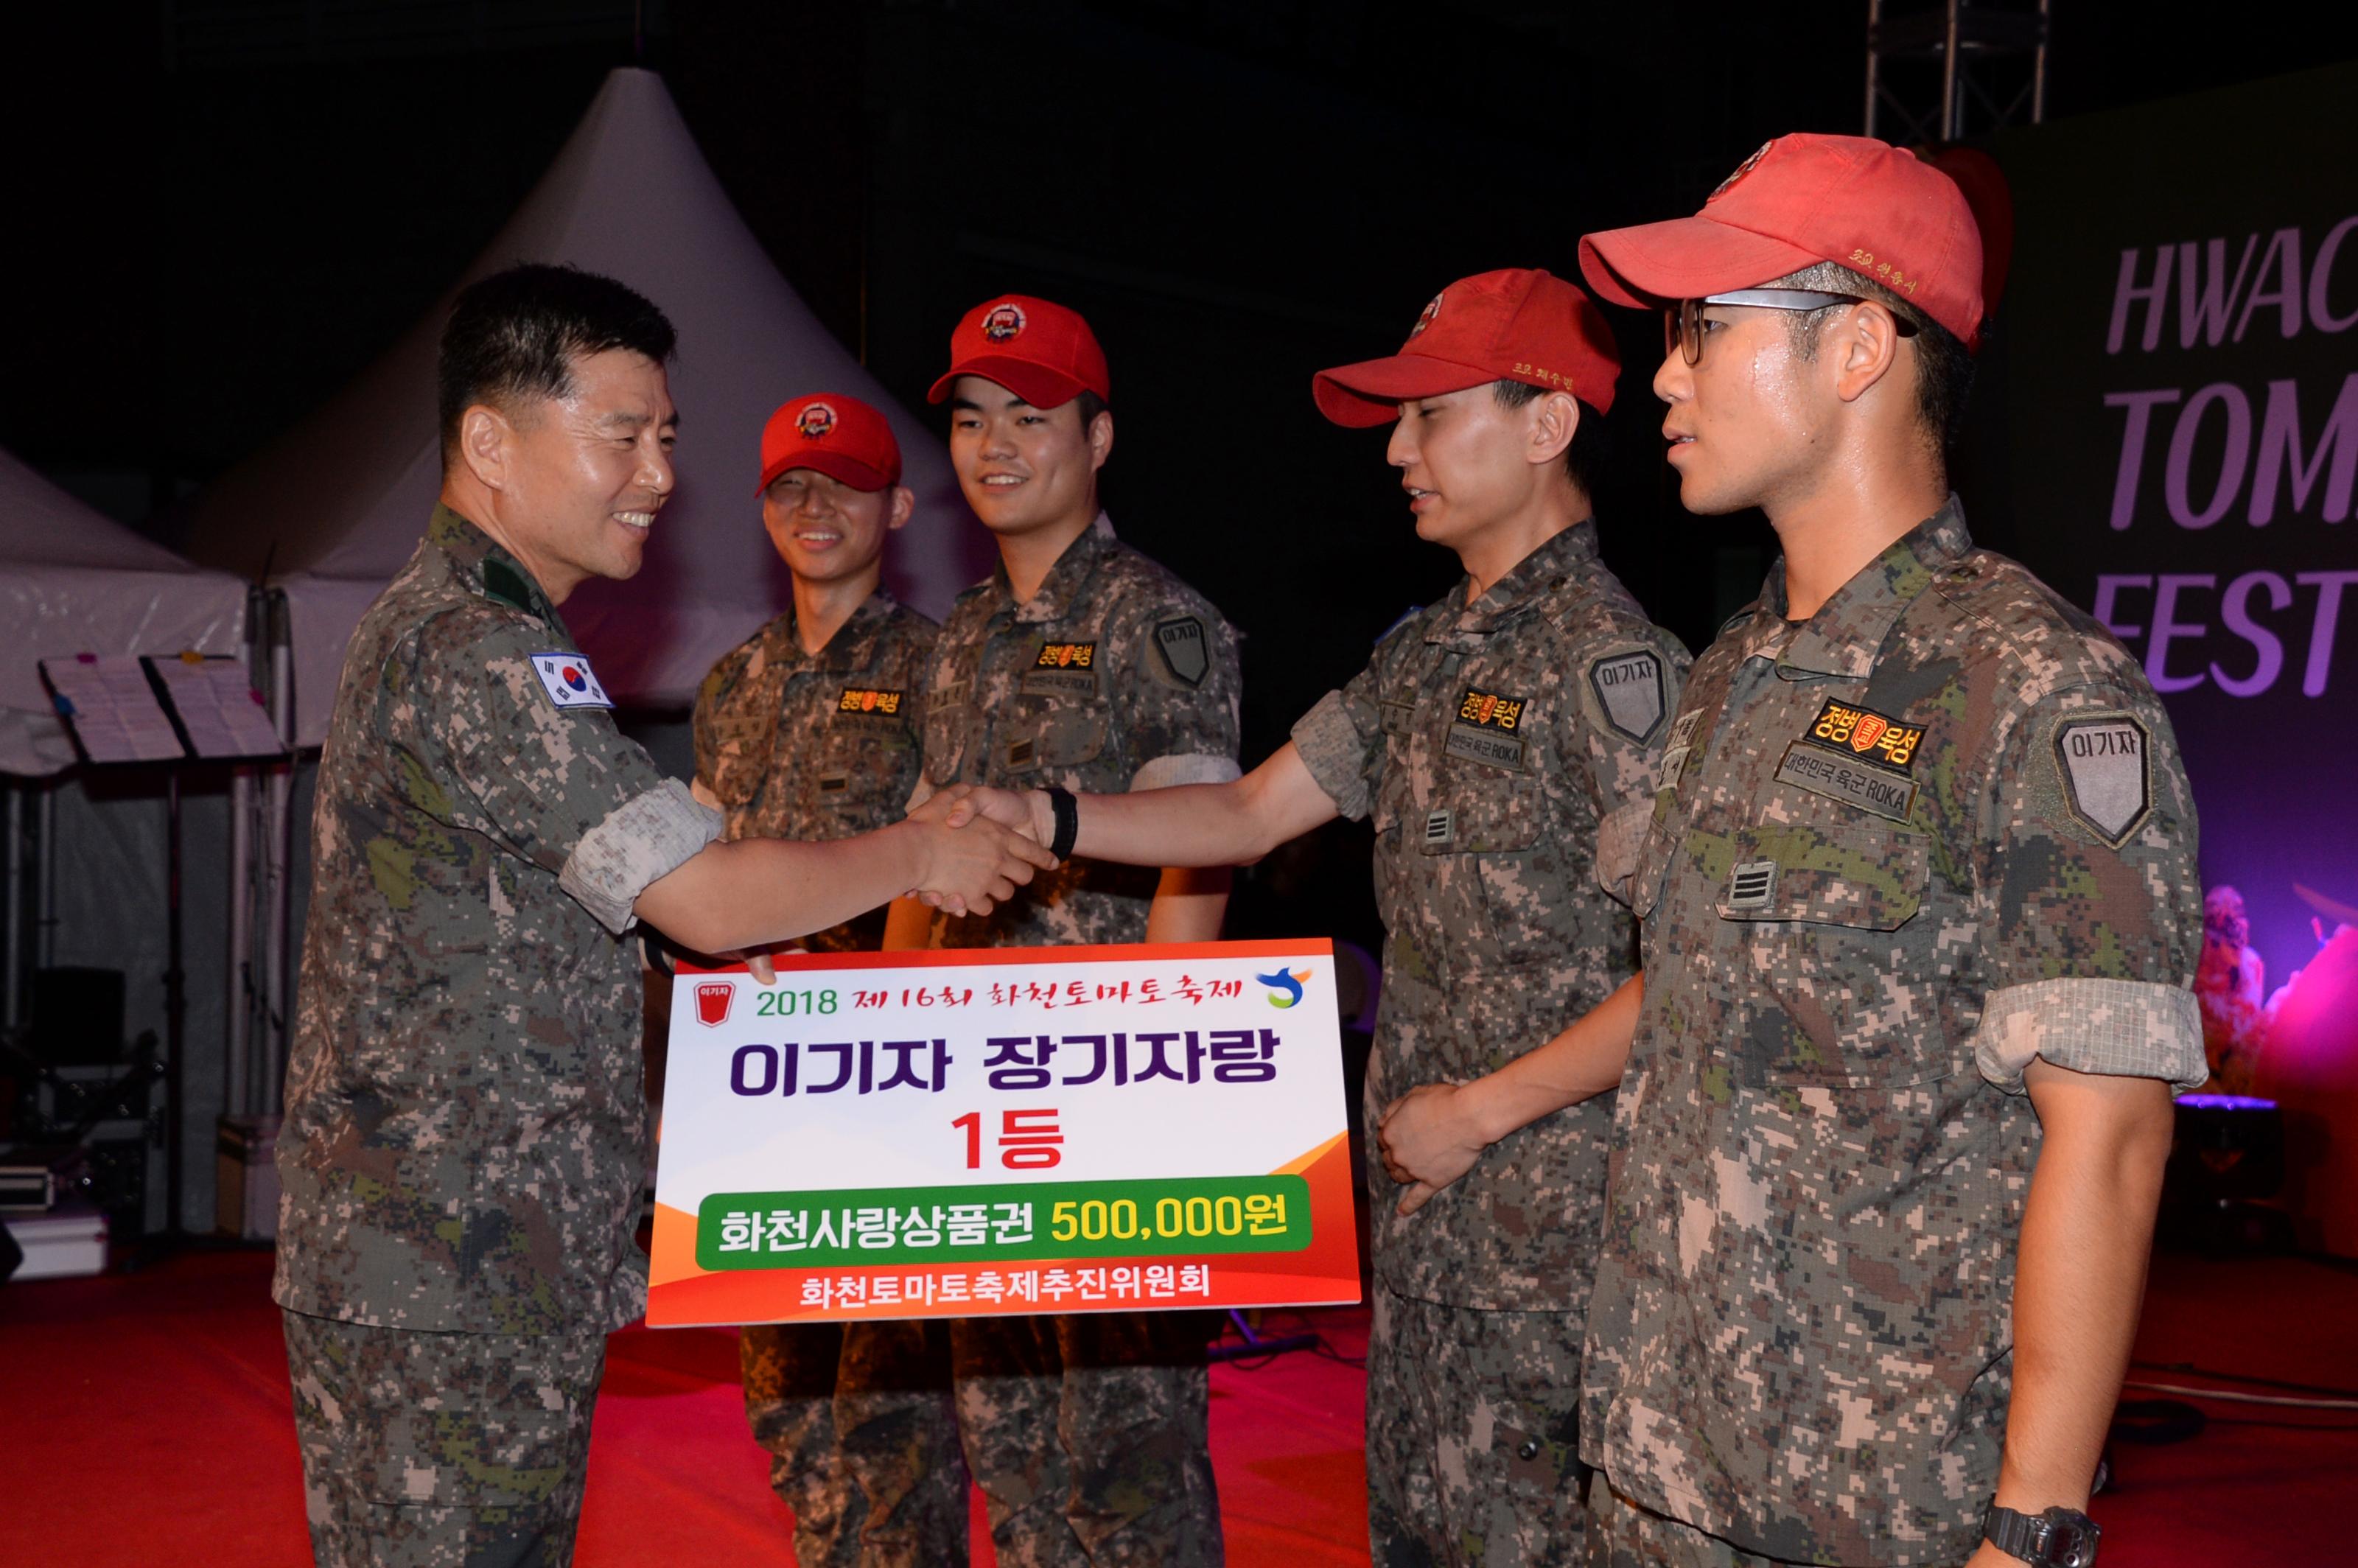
x=853, y=647
x=1843, y=637
x=1530, y=579
x=483, y=564
x=1065, y=579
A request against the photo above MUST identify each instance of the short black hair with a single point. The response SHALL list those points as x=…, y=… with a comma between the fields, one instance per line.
x=1090, y=406
x=1944, y=367
x=1583, y=460
x=516, y=334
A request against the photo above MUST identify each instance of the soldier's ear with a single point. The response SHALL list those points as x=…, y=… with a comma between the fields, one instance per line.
x=1100, y=437
x=484, y=436
x=1554, y=417
x=905, y=505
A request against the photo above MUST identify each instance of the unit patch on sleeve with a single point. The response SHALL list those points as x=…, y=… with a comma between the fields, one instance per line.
x=1875, y=737
x=568, y=680
x=1185, y=652
x=2104, y=761
x=1062, y=669
x=1487, y=728
x=1629, y=687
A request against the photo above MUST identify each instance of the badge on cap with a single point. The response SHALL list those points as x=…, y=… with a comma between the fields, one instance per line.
x=1629, y=687
x=1430, y=312
x=814, y=421
x=2106, y=771
x=1003, y=322
x=1747, y=167
x=567, y=679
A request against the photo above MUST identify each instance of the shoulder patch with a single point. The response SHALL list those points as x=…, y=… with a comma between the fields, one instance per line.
x=1629, y=687
x=2103, y=761
x=567, y=679
x=1186, y=653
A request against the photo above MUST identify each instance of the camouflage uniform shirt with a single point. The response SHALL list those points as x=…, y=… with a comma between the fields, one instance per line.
x=1506, y=750
x=465, y=1135
x=1114, y=677
x=1897, y=850
x=818, y=746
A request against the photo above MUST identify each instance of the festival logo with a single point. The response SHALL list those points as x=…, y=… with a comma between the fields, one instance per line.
x=1002, y=322
x=815, y=422
x=1286, y=989
x=1747, y=167
x=1426, y=320
x=713, y=1000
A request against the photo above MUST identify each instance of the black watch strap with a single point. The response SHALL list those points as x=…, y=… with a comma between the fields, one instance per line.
x=1069, y=822
x=2058, y=1538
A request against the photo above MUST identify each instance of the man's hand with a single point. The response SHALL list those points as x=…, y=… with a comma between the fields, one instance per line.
x=1025, y=810
x=969, y=869
x=1428, y=1139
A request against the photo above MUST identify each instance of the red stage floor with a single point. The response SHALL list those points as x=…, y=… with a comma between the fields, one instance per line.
x=147, y=1423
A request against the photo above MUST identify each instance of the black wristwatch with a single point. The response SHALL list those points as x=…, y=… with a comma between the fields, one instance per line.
x=2056, y=1539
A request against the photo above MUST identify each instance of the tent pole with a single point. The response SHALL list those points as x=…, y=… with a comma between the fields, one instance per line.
x=46, y=825
x=12, y=1010
x=279, y=853
x=176, y=1007
x=241, y=939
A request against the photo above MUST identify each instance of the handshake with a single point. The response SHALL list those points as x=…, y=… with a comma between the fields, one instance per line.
x=978, y=845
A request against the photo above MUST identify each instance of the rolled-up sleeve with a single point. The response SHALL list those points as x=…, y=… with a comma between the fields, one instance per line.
x=1341, y=741
x=642, y=841
x=2090, y=903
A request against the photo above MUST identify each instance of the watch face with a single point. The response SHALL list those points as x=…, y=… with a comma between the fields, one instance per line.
x=2070, y=1541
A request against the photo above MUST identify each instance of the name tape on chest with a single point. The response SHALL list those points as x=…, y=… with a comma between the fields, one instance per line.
x=869, y=699
x=1874, y=737
x=569, y=682
x=2104, y=761
x=1062, y=669
x=1066, y=656
x=1487, y=728
x=1628, y=690
x=1839, y=776
x=1489, y=710
x=1186, y=653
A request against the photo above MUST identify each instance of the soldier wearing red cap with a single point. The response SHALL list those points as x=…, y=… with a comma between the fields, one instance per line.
x=1080, y=663
x=1919, y=908
x=1504, y=743
x=810, y=729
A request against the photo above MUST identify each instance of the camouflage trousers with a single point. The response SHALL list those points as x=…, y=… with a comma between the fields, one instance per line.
x=442, y=1449
x=1623, y=1534
x=1088, y=1435
x=1473, y=1436
x=862, y=1439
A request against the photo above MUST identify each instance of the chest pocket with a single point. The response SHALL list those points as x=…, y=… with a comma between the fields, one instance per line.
x=741, y=755
x=1048, y=742
x=865, y=768
x=1844, y=953
x=950, y=724
x=1495, y=875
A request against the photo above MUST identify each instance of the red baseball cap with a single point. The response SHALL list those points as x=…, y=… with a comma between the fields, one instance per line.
x=840, y=436
x=1038, y=350
x=1803, y=200
x=1515, y=325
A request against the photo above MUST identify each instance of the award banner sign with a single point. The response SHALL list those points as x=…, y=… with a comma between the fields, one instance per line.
x=957, y=1134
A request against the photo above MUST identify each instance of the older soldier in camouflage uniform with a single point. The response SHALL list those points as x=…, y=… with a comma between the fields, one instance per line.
x=464, y=1148
x=1505, y=743
x=810, y=729
x=1920, y=914
x=1083, y=664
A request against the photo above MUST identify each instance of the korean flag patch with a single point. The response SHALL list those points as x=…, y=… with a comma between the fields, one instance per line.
x=568, y=680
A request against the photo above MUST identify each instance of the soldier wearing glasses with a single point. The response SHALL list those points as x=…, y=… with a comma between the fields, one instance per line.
x=1919, y=914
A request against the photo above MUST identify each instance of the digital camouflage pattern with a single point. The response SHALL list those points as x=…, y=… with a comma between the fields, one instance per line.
x=1623, y=1535
x=814, y=747
x=1477, y=1462
x=818, y=746
x=1114, y=677
x=1086, y=1433
x=465, y=1137
x=1498, y=831
x=442, y=1449
x=1896, y=850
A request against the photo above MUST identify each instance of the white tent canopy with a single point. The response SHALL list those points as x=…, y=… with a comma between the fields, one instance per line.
x=337, y=505
x=72, y=581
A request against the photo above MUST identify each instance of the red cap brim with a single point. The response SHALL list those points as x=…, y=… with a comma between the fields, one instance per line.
x=1035, y=383
x=1684, y=258
x=835, y=465
x=1371, y=392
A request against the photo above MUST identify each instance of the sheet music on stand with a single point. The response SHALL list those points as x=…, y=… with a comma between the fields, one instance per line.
x=124, y=707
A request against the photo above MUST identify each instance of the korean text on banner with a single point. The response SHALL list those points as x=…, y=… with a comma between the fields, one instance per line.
x=956, y=1134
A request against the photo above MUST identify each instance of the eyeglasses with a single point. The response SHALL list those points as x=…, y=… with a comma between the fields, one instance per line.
x=1682, y=324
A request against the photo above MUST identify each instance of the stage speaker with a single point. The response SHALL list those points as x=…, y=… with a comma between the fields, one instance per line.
x=2226, y=1160
x=77, y=1017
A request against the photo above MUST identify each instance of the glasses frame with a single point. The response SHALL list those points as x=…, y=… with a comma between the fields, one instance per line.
x=1682, y=322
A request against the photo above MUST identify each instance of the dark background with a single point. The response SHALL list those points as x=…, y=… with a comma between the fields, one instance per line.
x=223, y=209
